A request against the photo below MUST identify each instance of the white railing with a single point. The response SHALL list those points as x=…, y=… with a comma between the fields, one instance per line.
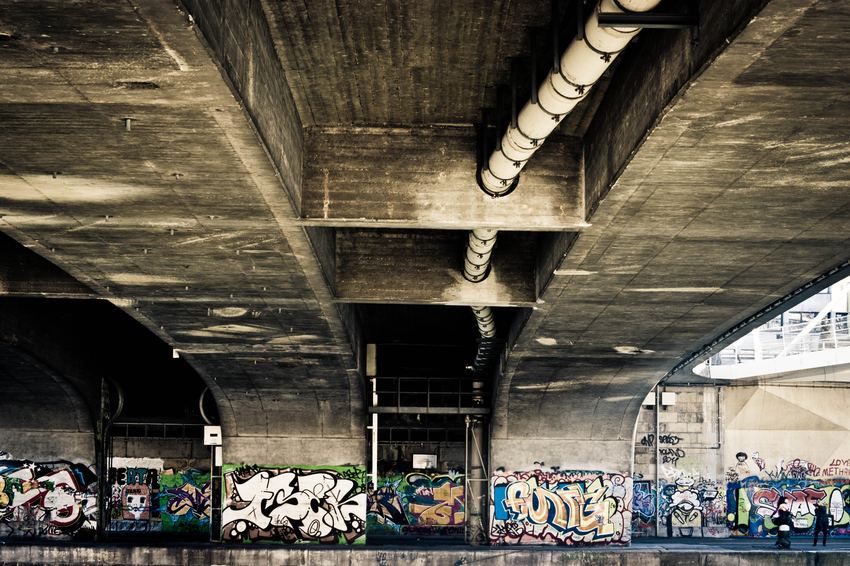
x=774, y=340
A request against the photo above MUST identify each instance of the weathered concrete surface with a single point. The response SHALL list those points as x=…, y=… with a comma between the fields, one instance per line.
x=209, y=555
x=192, y=226
x=426, y=178
x=422, y=266
x=181, y=219
x=737, y=197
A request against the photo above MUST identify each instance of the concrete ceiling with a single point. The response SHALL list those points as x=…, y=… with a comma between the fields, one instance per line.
x=701, y=182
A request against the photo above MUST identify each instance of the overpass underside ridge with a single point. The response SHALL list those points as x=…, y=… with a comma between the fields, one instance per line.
x=248, y=237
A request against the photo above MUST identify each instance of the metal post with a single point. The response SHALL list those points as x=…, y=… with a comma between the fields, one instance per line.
x=375, y=435
x=466, y=483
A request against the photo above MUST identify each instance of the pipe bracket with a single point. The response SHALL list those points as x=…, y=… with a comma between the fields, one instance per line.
x=492, y=193
x=606, y=56
x=581, y=90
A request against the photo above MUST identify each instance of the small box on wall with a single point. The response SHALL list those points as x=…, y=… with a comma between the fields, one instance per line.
x=212, y=436
x=668, y=398
x=424, y=461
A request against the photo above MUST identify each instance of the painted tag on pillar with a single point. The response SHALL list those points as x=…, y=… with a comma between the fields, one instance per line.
x=418, y=504
x=564, y=508
x=291, y=505
x=41, y=501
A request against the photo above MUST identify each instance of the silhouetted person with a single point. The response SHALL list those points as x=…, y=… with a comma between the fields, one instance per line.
x=821, y=522
x=782, y=518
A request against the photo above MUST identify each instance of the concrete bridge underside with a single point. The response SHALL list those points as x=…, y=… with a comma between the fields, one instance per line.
x=265, y=188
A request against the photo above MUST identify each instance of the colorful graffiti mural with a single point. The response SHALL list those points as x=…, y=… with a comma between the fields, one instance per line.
x=184, y=501
x=147, y=498
x=417, y=504
x=134, y=494
x=753, y=501
x=294, y=505
x=39, y=501
x=692, y=505
x=563, y=507
x=643, y=507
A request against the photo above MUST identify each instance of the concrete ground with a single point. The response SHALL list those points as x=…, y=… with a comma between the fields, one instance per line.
x=643, y=552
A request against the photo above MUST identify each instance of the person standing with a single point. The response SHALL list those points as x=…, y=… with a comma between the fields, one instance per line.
x=821, y=522
x=782, y=519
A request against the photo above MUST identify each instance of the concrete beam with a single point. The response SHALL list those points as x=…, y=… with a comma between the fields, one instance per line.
x=424, y=177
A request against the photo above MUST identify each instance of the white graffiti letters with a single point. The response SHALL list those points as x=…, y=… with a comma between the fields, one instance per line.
x=314, y=504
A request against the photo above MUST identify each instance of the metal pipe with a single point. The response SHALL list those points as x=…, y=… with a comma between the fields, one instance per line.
x=581, y=65
x=476, y=264
x=486, y=321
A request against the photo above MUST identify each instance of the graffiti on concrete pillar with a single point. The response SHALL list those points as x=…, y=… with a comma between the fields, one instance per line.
x=39, y=501
x=566, y=508
x=407, y=504
x=294, y=505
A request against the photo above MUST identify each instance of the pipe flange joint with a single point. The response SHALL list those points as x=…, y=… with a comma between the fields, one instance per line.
x=581, y=90
x=606, y=56
x=495, y=194
x=535, y=142
x=555, y=117
x=517, y=162
x=477, y=279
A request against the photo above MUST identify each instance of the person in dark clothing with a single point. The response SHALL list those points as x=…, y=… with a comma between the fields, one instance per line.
x=821, y=522
x=782, y=519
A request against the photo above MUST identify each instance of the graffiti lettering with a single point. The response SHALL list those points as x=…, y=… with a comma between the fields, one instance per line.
x=754, y=501
x=293, y=505
x=36, y=501
x=671, y=455
x=669, y=439
x=643, y=505
x=185, y=501
x=448, y=507
x=595, y=510
x=648, y=440
x=416, y=499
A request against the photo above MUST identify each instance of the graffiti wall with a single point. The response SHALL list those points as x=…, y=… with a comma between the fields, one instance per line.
x=294, y=505
x=147, y=498
x=752, y=502
x=560, y=507
x=643, y=508
x=417, y=504
x=184, y=501
x=755, y=485
x=42, y=501
x=691, y=504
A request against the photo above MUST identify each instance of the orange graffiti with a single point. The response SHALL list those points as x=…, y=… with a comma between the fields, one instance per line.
x=448, y=499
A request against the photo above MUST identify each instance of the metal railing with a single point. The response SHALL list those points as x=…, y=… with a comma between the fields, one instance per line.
x=774, y=340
